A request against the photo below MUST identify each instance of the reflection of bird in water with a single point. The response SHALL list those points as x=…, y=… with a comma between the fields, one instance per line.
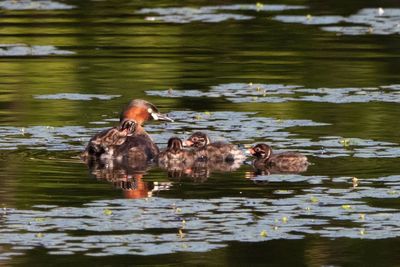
x=201, y=170
x=215, y=152
x=180, y=162
x=268, y=163
x=129, y=139
x=176, y=160
x=128, y=177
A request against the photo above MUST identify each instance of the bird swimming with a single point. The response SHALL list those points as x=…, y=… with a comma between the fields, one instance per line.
x=128, y=139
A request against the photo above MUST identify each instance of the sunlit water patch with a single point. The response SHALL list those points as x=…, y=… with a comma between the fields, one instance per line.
x=210, y=14
x=34, y=50
x=76, y=96
x=278, y=93
x=43, y=137
x=159, y=226
x=245, y=128
x=289, y=178
x=33, y=5
x=366, y=21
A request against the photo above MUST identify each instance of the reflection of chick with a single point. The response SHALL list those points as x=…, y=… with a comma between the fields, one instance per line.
x=201, y=170
x=286, y=162
x=216, y=152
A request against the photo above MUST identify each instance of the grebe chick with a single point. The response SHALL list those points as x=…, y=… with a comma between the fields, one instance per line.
x=285, y=161
x=216, y=152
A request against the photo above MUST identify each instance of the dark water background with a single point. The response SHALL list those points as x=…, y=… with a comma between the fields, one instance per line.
x=67, y=69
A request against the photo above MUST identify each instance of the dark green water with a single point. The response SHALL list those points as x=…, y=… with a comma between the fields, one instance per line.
x=318, y=77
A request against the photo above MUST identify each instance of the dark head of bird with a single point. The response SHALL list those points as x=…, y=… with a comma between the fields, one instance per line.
x=261, y=151
x=175, y=145
x=197, y=140
x=140, y=111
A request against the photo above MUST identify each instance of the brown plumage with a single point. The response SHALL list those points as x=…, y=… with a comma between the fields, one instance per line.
x=104, y=143
x=117, y=142
x=215, y=152
x=175, y=155
x=278, y=163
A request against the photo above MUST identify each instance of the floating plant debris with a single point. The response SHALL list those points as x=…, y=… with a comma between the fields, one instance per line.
x=33, y=5
x=294, y=178
x=366, y=21
x=35, y=50
x=76, y=96
x=277, y=93
x=310, y=20
x=209, y=14
x=202, y=224
x=43, y=137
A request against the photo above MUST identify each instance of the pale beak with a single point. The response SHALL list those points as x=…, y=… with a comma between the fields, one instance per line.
x=250, y=151
x=187, y=143
x=161, y=117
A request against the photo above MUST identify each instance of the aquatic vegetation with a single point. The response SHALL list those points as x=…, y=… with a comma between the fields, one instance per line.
x=264, y=233
x=43, y=137
x=12, y=50
x=346, y=207
x=107, y=212
x=355, y=181
x=129, y=230
x=293, y=178
x=278, y=93
x=231, y=59
x=33, y=5
x=210, y=14
x=367, y=21
x=218, y=125
x=76, y=96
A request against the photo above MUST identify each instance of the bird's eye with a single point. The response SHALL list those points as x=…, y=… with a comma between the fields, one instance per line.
x=195, y=139
x=257, y=149
x=150, y=110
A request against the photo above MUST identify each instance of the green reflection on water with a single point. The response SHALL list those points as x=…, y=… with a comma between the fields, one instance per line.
x=118, y=52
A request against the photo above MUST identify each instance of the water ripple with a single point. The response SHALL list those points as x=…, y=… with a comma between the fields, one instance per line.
x=76, y=96
x=367, y=21
x=246, y=128
x=33, y=5
x=278, y=93
x=158, y=226
x=12, y=50
x=210, y=14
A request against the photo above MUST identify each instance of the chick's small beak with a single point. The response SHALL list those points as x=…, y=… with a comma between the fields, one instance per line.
x=187, y=143
x=161, y=117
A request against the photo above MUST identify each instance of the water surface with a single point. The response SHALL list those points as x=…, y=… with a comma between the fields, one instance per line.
x=320, y=79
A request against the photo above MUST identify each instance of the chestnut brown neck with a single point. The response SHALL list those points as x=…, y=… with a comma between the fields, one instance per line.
x=138, y=114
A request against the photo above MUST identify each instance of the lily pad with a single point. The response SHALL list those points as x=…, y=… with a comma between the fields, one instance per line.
x=209, y=14
x=76, y=96
x=367, y=21
x=12, y=50
x=33, y=5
